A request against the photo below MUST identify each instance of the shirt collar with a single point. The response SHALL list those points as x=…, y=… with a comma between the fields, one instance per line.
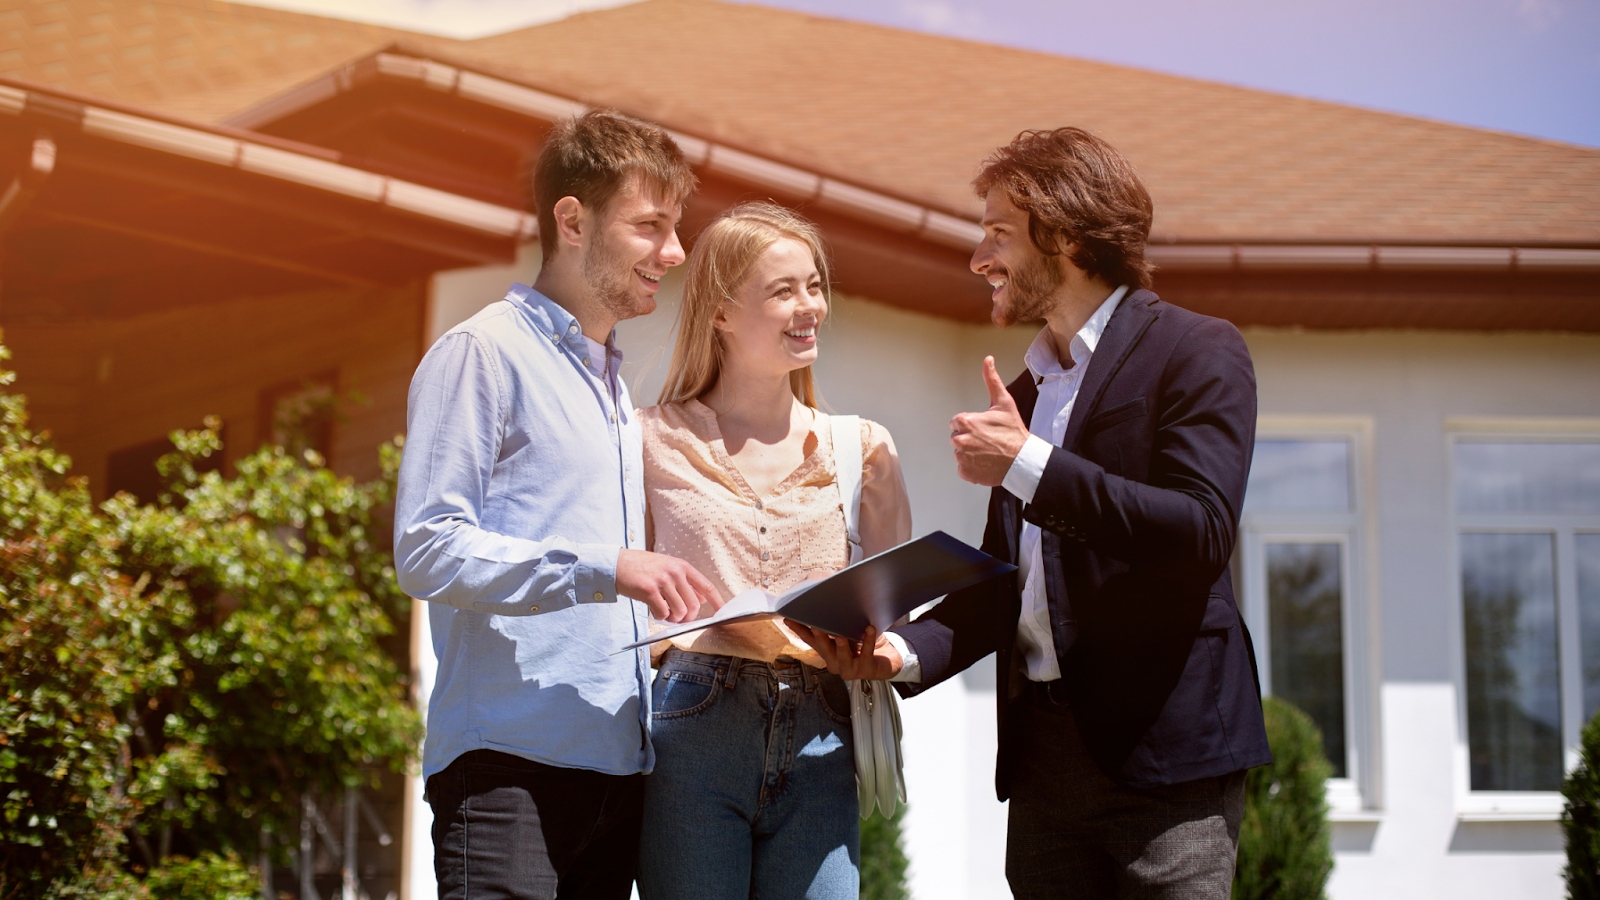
x=1041, y=357
x=554, y=322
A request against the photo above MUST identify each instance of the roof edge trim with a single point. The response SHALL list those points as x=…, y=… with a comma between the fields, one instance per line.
x=876, y=207
x=285, y=165
x=1370, y=258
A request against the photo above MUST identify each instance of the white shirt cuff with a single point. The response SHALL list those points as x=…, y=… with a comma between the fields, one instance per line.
x=911, y=670
x=1022, y=479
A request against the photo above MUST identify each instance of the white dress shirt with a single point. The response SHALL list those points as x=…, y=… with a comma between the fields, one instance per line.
x=1058, y=392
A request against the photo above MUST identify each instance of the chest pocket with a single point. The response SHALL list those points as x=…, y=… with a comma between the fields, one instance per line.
x=1109, y=440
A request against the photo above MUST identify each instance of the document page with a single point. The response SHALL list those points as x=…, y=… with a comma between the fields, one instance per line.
x=876, y=591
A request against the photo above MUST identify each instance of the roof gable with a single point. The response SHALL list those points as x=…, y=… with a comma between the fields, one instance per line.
x=913, y=114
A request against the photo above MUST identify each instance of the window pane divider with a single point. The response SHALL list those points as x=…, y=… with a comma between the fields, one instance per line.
x=1570, y=637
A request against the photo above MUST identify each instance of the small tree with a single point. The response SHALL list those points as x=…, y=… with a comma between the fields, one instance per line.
x=174, y=677
x=883, y=858
x=1285, y=846
x=1580, y=818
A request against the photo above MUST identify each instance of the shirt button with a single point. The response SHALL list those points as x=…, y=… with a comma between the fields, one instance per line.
x=533, y=609
x=758, y=504
x=631, y=538
x=573, y=328
x=599, y=596
x=763, y=529
x=766, y=556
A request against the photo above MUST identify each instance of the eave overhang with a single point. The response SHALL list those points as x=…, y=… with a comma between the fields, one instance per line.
x=909, y=254
x=140, y=211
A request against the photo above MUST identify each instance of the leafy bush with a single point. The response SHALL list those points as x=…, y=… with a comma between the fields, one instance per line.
x=883, y=858
x=1285, y=845
x=1580, y=818
x=173, y=677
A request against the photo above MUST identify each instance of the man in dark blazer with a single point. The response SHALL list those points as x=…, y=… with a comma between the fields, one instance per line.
x=1128, y=700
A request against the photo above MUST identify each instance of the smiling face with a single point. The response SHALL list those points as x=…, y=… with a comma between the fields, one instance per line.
x=633, y=243
x=1026, y=282
x=770, y=327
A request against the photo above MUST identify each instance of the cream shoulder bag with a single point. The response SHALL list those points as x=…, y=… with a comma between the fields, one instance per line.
x=874, y=709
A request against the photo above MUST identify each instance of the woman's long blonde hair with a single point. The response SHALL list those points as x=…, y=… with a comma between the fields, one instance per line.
x=724, y=255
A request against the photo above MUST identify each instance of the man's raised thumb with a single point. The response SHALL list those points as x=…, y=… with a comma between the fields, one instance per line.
x=998, y=395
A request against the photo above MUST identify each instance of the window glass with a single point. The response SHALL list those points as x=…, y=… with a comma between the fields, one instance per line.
x=1527, y=477
x=1300, y=476
x=1304, y=597
x=1588, y=546
x=1513, y=664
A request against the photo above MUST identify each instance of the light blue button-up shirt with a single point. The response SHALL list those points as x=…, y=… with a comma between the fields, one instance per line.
x=522, y=478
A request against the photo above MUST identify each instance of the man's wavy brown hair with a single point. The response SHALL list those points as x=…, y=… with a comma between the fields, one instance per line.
x=591, y=156
x=1078, y=192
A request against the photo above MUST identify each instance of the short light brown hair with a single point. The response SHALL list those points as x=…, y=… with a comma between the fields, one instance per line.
x=722, y=260
x=593, y=155
x=1077, y=190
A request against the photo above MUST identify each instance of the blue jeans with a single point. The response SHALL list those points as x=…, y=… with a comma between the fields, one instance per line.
x=754, y=789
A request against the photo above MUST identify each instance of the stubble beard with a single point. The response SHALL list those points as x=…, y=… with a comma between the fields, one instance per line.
x=1032, y=286
x=609, y=277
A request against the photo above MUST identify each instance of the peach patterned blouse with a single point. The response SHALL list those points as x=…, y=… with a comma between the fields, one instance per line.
x=700, y=509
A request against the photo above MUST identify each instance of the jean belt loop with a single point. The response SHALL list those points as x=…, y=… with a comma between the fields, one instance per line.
x=732, y=677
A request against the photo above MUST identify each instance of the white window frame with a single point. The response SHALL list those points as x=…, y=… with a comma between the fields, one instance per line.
x=1357, y=796
x=1518, y=805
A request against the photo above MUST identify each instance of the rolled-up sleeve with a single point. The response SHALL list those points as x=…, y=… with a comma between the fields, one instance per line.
x=454, y=426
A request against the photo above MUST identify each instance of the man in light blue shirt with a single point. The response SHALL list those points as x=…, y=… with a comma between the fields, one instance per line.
x=520, y=518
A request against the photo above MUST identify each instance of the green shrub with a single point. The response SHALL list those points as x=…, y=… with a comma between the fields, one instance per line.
x=1580, y=818
x=883, y=858
x=1285, y=847
x=173, y=677
x=207, y=877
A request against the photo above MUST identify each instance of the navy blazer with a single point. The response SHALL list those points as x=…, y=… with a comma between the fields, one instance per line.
x=1139, y=510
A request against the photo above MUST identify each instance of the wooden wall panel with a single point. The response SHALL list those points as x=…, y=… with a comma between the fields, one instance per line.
x=105, y=384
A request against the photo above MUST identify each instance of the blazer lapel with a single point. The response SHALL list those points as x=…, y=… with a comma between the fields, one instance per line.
x=1134, y=314
x=1026, y=395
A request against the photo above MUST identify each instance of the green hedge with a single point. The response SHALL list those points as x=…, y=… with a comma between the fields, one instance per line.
x=174, y=676
x=1580, y=818
x=883, y=858
x=1285, y=846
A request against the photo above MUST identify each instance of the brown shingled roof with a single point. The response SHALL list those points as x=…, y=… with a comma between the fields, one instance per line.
x=912, y=115
x=900, y=112
x=197, y=59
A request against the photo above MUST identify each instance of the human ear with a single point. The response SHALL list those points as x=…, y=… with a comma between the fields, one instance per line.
x=719, y=320
x=569, y=216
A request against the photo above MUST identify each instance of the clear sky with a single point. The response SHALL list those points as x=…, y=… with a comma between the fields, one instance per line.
x=1525, y=66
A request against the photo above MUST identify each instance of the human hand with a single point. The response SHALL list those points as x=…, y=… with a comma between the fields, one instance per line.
x=847, y=659
x=674, y=590
x=986, y=443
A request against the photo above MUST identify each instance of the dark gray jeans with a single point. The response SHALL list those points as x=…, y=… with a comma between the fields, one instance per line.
x=507, y=828
x=1075, y=833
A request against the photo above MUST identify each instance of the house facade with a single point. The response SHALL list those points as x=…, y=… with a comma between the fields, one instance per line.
x=301, y=200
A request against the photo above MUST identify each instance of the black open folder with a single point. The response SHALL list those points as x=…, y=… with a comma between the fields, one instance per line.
x=876, y=591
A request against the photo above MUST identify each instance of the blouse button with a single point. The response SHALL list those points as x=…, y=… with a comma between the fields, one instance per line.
x=758, y=504
x=763, y=529
x=766, y=556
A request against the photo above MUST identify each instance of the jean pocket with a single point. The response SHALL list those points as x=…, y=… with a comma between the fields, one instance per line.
x=676, y=694
x=835, y=698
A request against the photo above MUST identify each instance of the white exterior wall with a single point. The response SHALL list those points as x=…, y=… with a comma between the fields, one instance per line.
x=912, y=372
x=1408, y=383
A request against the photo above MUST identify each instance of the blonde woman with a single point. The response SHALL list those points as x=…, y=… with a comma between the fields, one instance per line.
x=753, y=792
